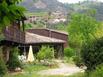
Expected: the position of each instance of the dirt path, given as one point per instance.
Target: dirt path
(64, 69)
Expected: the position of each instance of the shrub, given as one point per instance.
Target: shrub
(78, 61)
(92, 54)
(45, 53)
(3, 69)
(14, 62)
(69, 52)
(98, 72)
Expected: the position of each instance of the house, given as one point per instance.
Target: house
(15, 35)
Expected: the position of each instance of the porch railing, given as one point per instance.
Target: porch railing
(14, 34)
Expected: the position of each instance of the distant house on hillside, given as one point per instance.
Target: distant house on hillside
(33, 18)
(51, 18)
(58, 14)
(55, 21)
(15, 36)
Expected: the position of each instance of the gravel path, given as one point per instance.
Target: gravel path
(63, 69)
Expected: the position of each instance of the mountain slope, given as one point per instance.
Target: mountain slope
(54, 5)
(90, 5)
(43, 5)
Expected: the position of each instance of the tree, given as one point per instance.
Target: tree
(82, 30)
(10, 12)
(92, 54)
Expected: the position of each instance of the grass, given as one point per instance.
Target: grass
(34, 67)
(78, 75)
(36, 75)
(32, 75)
(30, 70)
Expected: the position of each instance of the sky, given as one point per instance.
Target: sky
(73, 1)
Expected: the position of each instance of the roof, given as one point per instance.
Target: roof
(34, 38)
(57, 31)
(62, 32)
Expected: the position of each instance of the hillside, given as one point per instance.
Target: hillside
(54, 5)
(43, 5)
(90, 5)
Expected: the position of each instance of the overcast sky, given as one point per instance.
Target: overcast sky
(73, 1)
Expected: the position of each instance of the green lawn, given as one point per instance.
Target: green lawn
(36, 75)
(78, 75)
(30, 70)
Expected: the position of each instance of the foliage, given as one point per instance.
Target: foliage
(45, 53)
(95, 5)
(13, 59)
(69, 52)
(28, 26)
(92, 54)
(3, 69)
(58, 26)
(78, 75)
(99, 33)
(83, 28)
(10, 12)
(98, 72)
(78, 61)
(40, 24)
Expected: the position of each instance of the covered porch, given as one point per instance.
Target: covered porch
(58, 49)
(37, 41)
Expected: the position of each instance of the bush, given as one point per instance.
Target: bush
(14, 62)
(3, 69)
(45, 53)
(78, 61)
(98, 72)
(92, 54)
(69, 52)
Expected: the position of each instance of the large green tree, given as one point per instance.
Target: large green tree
(10, 11)
(82, 29)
